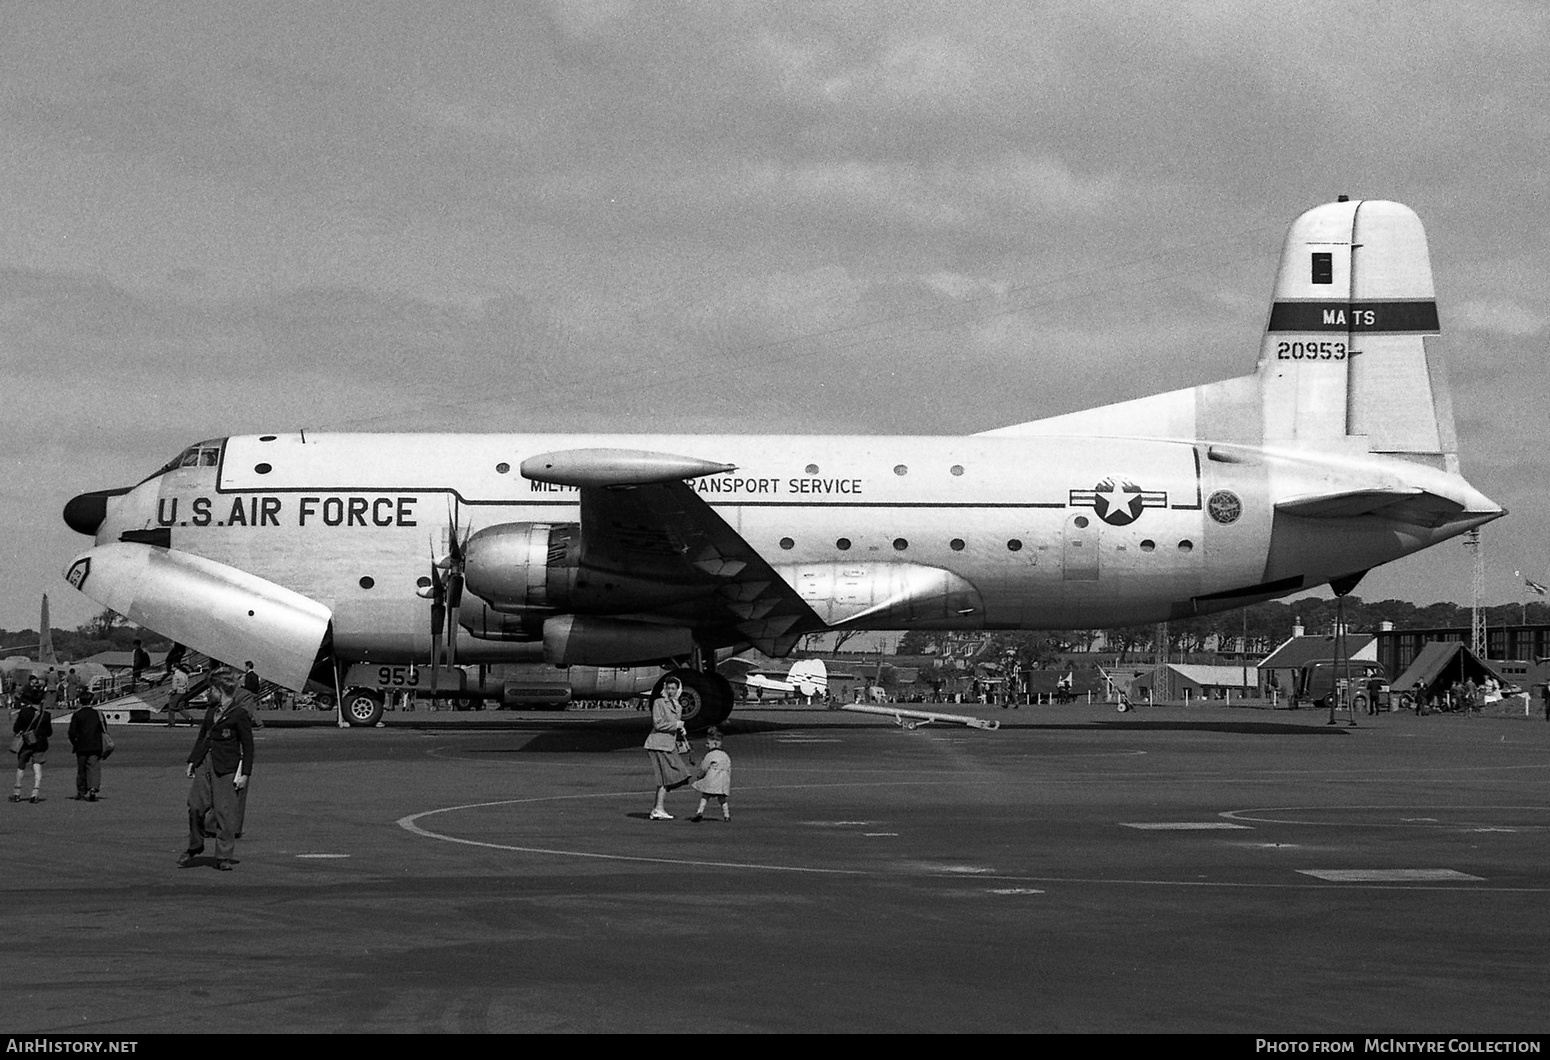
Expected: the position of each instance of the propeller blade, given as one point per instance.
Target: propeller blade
(436, 592)
(454, 601)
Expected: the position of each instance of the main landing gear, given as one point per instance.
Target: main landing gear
(706, 699)
(362, 706)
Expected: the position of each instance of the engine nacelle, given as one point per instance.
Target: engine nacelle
(521, 566)
(583, 640)
(533, 570)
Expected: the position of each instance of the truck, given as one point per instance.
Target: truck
(1316, 683)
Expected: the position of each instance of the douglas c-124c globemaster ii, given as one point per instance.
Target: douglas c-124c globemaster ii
(323, 557)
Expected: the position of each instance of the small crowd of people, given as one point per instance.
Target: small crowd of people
(218, 767)
(1464, 696)
(59, 688)
(33, 727)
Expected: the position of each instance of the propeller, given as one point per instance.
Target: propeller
(434, 589)
(444, 589)
(452, 563)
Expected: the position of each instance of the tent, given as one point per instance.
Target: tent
(1440, 664)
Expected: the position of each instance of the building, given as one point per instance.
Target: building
(1520, 644)
(1197, 681)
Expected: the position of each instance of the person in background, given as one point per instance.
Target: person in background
(85, 732)
(34, 726)
(139, 662)
(254, 686)
(177, 699)
(174, 658)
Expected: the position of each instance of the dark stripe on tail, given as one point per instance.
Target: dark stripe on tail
(1354, 316)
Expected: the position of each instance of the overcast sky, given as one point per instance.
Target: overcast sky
(763, 217)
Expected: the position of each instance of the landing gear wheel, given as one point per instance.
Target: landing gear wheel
(706, 698)
(362, 706)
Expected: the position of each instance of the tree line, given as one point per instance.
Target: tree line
(1265, 626)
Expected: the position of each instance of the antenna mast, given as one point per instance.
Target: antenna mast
(1476, 616)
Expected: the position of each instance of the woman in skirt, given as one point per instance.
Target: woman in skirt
(667, 729)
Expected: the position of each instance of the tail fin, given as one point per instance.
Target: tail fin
(1352, 345)
(809, 677)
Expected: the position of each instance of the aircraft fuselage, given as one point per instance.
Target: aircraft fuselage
(1047, 532)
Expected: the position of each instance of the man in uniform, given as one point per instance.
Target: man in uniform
(219, 766)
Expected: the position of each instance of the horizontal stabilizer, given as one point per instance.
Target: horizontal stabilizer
(1414, 506)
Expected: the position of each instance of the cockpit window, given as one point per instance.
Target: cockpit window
(202, 454)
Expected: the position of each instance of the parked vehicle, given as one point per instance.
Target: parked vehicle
(1316, 683)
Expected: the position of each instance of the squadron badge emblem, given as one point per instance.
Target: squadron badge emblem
(1224, 506)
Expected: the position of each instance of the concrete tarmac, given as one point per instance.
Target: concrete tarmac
(1205, 869)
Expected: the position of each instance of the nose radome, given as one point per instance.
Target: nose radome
(85, 513)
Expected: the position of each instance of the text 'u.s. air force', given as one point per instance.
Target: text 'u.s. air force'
(260, 510)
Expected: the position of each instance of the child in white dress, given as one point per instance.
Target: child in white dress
(715, 776)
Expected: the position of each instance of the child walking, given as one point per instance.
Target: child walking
(715, 776)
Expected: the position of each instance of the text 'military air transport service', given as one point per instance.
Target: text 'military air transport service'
(364, 561)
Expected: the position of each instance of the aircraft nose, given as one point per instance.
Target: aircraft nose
(85, 513)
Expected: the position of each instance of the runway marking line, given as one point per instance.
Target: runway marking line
(1183, 826)
(1461, 819)
(410, 824)
(1448, 882)
(1388, 875)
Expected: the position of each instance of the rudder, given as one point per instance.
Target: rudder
(1351, 348)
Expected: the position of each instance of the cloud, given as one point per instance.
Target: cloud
(1498, 316)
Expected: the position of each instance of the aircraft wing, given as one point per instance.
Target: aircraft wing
(639, 517)
(1415, 506)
